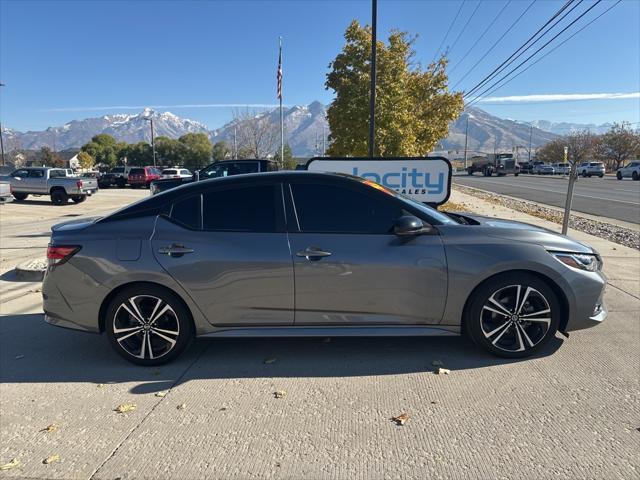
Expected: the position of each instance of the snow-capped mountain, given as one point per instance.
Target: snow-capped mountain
(123, 127)
(564, 128)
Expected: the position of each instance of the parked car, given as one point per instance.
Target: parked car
(544, 169)
(97, 175)
(5, 192)
(526, 167)
(175, 172)
(50, 181)
(313, 254)
(632, 170)
(536, 166)
(561, 168)
(117, 176)
(224, 168)
(143, 176)
(587, 169)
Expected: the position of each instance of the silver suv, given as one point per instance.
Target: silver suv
(587, 169)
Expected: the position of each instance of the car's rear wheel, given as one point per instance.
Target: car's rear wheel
(59, 197)
(619, 176)
(635, 176)
(513, 315)
(584, 173)
(20, 196)
(148, 325)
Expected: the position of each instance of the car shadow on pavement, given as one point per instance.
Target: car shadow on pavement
(32, 351)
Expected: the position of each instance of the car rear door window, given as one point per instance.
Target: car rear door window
(242, 209)
(335, 209)
(187, 212)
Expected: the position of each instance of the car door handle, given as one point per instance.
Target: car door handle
(313, 253)
(175, 250)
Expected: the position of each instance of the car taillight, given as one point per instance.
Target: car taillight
(61, 253)
(79, 184)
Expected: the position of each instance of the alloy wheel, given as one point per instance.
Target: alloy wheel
(146, 327)
(515, 318)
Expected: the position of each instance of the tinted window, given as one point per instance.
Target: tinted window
(244, 209)
(169, 172)
(57, 173)
(117, 170)
(136, 171)
(20, 173)
(328, 208)
(36, 174)
(187, 212)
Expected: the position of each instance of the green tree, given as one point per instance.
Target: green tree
(169, 151)
(139, 154)
(85, 160)
(413, 106)
(49, 158)
(221, 151)
(289, 163)
(196, 150)
(104, 149)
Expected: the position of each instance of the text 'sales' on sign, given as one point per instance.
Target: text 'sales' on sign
(425, 179)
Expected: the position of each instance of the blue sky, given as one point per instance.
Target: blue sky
(64, 60)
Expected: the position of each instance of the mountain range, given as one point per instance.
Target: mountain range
(305, 128)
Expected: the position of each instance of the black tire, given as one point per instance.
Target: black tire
(516, 174)
(635, 175)
(78, 198)
(469, 172)
(20, 196)
(619, 176)
(502, 334)
(600, 176)
(177, 319)
(59, 197)
(120, 182)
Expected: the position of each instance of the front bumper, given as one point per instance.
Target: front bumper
(587, 307)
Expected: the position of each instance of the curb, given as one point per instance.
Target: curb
(31, 271)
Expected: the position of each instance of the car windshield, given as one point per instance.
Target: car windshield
(440, 217)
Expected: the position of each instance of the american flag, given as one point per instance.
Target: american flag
(279, 75)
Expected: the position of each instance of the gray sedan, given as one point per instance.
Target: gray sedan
(313, 254)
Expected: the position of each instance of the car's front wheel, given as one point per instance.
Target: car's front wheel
(148, 325)
(619, 176)
(635, 176)
(20, 196)
(513, 315)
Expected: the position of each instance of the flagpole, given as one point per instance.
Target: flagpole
(281, 114)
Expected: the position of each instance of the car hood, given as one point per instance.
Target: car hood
(525, 232)
(76, 224)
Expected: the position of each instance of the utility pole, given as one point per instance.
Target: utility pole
(235, 142)
(372, 105)
(530, 135)
(466, 137)
(324, 139)
(1, 142)
(153, 142)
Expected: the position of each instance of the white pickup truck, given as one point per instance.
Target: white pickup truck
(53, 182)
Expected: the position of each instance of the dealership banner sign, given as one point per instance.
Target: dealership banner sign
(425, 179)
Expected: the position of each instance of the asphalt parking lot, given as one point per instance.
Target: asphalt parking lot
(606, 197)
(572, 412)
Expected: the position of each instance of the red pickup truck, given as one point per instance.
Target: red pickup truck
(143, 176)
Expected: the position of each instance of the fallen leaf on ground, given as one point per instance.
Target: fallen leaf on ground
(182, 406)
(437, 363)
(443, 371)
(125, 407)
(161, 394)
(51, 459)
(222, 409)
(51, 428)
(279, 394)
(433, 402)
(12, 464)
(401, 419)
(269, 360)
(101, 385)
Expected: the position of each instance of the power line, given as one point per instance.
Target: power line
(475, 100)
(525, 46)
(495, 43)
(475, 42)
(552, 50)
(448, 31)
(465, 27)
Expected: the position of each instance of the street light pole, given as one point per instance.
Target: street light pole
(466, 137)
(153, 142)
(372, 105)
(1, 141)
(530, 135)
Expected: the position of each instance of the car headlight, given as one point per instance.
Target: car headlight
(581, 261)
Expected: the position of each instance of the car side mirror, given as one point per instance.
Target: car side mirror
(409, 225)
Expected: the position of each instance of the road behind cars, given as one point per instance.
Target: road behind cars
(605, 197)
(570, 413)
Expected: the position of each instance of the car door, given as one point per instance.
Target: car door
(37, 181)
(351, 269)
(19, 180)
(228, 249)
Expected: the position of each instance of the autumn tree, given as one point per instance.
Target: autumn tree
(552, 152)
(49, 158)
(256, 134)
(580, 146)
(413, 105)
(618, 145)
(85, 160)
